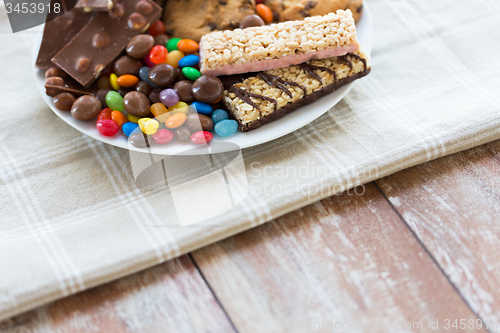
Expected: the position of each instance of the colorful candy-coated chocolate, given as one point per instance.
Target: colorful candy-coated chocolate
(175, 120)
(115, 101)
(180, 107)
(157, 28)
(191, 73)
(202, 108)
(219, 115)
(188, 45)
(104, 114)
(172, 44)
(119, 118)
(189, 61)
(226, 127)
(160, 112)
(264, 12)
(148, 125)
(148, 62)
(158, 54)
(113, 80)
(163, 136)
(174, 57)
(129, 128)
(169, 97)
(127, 80)
(144, 75)
(107, 127)
(201, 137)
(133, 119)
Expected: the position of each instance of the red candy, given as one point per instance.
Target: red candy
(148, 62)
(157, 28)
(107, 127)
(158, 54)
(104, 114)
(163, 136)
(201, 137)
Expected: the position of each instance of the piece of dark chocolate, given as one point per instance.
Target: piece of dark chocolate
(57, 33)
(83, 61)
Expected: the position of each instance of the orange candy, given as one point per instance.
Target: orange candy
(160, 112)
(175, 120)
(264, 12)
(188, 45)
(119, 118)
(127, 80)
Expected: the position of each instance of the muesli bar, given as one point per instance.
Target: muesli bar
(278, 45)
(270, 95)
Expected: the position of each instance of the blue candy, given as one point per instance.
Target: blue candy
(189, 61)
(226, 127)
(144, 75)
(202, 108)
(129, 128)
(219, 115)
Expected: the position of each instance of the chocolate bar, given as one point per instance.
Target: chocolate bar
(103, 39)
(266, 96)
(95, 5)
(278, 45)
(57, 33)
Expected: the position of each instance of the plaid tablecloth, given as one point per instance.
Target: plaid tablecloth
(74, 216)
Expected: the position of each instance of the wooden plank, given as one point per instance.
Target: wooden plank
(453, 206)
(171, 297)
(344, 260)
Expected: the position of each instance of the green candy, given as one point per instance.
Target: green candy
(114, 101)
(172, 44)
(191, 73)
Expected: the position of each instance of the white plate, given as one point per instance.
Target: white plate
(266, 133)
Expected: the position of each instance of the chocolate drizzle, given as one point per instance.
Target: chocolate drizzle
(278, 82)
(245, 96)
(310, 69)
(346, 61)
(363, 60)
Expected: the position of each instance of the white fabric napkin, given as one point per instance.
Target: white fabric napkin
(73, 215)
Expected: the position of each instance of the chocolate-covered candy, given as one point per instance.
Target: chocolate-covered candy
(56, 82)
(197, 122)
(140, 45)
(64, 101)
(103, 83)
(207, 89)
(180, 76)
(85, 108)
(251, 21)
(183, 89)
(162, 75)
(53, 71)
(183, 134)
(127, 65)
(154, 95)
(123, 91)
(138, 140)
(161, 39)
(101, 95)
(143, 87)
(137, 104)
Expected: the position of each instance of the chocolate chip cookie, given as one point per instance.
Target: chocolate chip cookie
(195, 18)
(287, 10)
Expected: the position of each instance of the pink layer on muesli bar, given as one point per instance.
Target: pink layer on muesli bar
(266, 64)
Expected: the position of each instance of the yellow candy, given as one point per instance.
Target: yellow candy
(113, 80)
(148, 125)
(180, 107)
(160, 112)
(132, 119)
(174, 57)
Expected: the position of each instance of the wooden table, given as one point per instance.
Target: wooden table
(421, 246)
